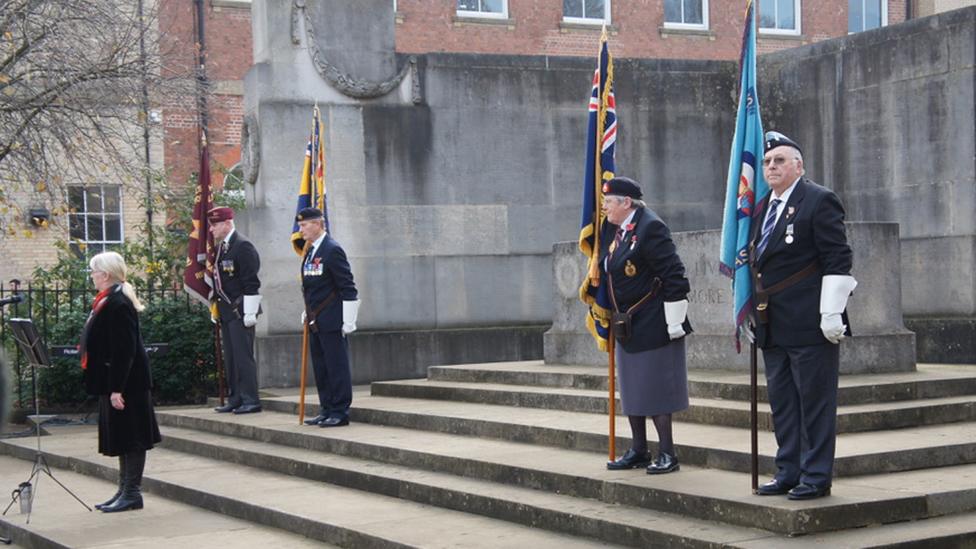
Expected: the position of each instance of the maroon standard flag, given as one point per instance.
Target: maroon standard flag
(198, 276)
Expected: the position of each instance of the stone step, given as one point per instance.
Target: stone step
(317, 510)
(711, 411)
(617, 524)
(719, 447)
(929, 381)
(59, 521)
(707, 494)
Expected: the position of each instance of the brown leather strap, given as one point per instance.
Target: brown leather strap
(762, 294)
(655, 287)
(310, 317)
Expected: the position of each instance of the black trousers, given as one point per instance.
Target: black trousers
(333, 379)
(240, 369)
(802, 385)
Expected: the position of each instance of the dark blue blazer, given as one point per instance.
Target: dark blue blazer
(817, 219)
(238, 268)
(646, 253)
(336, 276)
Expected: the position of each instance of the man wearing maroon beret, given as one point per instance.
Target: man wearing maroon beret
(238, 304)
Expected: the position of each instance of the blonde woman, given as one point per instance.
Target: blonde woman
(116, 368)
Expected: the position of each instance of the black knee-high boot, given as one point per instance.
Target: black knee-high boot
(118, 492)
(131, 498)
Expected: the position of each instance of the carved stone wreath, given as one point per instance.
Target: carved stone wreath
(346, 84)
(250, 149)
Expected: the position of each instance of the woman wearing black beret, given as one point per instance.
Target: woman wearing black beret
(649, 293)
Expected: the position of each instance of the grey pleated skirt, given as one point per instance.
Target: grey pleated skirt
(653, 382)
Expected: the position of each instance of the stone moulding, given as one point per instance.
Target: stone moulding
(346, 84)
(250, 149)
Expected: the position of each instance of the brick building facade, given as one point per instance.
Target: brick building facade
(114, 209)
(688, 29)
(709, 29)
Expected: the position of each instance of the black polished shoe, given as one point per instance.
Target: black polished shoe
(316, 420)
(774, 487)
(631, 460)
(248, 409)
(226, 408)
(808, 491)
(334, 422)
(664, 463)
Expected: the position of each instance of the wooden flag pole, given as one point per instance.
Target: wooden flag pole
(612, 400)
(754, 414)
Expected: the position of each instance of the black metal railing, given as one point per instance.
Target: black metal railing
(46, 306)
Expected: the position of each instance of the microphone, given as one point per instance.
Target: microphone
(16, 298)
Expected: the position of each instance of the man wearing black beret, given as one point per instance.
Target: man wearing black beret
(801, 265)
(331, 310)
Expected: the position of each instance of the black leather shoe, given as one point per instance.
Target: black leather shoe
(248, 409)
(774, 487)
(808, 491)
(316, 420)
(226, 408)
(334, 422)
(631, 460)
(664, 463)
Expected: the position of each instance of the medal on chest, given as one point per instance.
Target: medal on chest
(227, 266)
(789, 234)
(313, 267)
(630, 269)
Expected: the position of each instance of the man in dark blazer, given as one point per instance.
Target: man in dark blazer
(331, 309)
(801, 265)
(238, 304)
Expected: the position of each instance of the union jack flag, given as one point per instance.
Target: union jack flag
(601, 143)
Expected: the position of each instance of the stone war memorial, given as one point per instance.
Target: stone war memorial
(479, 416)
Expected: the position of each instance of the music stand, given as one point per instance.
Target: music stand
(29, 342)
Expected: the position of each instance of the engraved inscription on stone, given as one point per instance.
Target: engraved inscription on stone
(569, 274)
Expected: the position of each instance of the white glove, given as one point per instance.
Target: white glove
(674, 314)
(834, 292)
(832, 326)
(252, 303)
(746, 331)
(350, 311)
(303, 317)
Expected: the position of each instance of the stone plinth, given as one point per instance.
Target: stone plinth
(880, 343)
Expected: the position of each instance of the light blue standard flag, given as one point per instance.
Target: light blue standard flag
(601, 142)
(745, 187)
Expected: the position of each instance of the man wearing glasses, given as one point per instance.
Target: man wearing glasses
(801, 266)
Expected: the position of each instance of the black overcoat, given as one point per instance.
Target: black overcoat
(118, 363)
(646, 253)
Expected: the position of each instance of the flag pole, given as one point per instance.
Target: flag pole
(753, 367)
(301, 393)
(612, 401)
(219, 357)
(754, 412)
(302, 376)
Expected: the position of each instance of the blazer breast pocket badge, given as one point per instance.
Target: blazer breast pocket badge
(630, 269)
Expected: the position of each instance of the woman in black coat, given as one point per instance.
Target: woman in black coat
(647, 279)
(116, 369)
